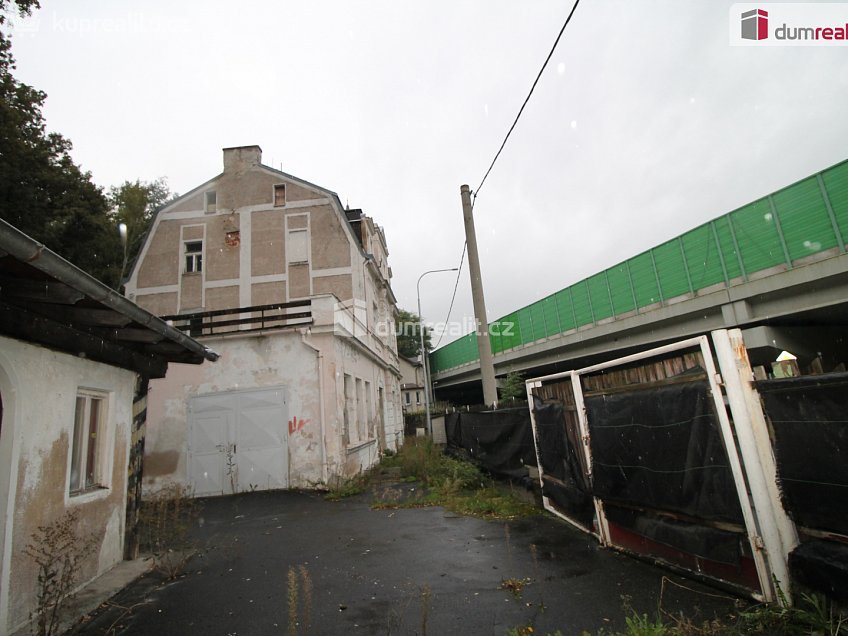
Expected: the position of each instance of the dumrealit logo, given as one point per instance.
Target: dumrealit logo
(755, 24)
(785, 32)
(789, 24)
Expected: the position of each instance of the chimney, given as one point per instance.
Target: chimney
(242, 158)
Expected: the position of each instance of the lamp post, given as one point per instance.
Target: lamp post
(423, 350)
(122, 231)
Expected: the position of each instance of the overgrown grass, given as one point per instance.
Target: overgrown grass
(339, 488)
(812, 614)
(453, 483)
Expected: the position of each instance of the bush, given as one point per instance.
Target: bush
(58, 551)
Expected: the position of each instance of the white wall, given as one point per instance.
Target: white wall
(246, 362)
(38, 389)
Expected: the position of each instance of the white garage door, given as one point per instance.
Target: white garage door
(238, 442)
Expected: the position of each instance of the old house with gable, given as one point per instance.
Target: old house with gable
(293, 291)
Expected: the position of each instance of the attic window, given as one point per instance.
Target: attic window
(211, 201)
(279, 195)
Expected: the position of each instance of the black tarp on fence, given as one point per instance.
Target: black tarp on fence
(809, 425)
(808, 418)
(661, 448)
(501, 441)
(565, 482)
(822, 566)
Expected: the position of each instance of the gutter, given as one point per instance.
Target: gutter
(30, 251)
(324, 465)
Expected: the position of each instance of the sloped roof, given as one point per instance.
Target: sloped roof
(47, 300)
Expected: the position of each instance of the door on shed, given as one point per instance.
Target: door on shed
(238, 442)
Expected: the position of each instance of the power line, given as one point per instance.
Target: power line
(532, 88)
(498, 154)
(455, 287)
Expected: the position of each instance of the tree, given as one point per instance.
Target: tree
(409, 336)
(513, 388)
(134, 203)
(42, 191)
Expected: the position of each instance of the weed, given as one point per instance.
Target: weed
(813, 614)
(232, 467)
(343, 487)
(515, 586)
(164, 528)
(641, 625)
(58, 551)
(419, 458)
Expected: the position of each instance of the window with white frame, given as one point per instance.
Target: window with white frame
(87, 445)
(349, 413)
(360, 411)
(369, 411)
(193, 256)
(298, 246)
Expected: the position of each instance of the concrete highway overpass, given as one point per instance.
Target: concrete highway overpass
(802, 310)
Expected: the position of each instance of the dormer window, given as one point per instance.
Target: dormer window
(211, 201)
(279, 195)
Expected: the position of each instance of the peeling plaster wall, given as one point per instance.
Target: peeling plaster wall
(246, 362)
(35, 435)
(359, 453)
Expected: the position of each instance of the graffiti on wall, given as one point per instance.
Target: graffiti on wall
(296, 424)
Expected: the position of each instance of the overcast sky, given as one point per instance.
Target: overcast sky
(646, 122)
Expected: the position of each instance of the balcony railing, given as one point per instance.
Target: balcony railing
(244, 319)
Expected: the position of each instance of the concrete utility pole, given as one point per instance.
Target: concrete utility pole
(484, 347)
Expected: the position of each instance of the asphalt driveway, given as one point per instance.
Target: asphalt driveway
(408, 571)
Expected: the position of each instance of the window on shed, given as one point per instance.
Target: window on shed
(87, 452)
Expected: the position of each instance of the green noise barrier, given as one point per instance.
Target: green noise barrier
(780, 230)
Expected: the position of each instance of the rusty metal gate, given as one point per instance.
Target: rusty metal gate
(642, 453)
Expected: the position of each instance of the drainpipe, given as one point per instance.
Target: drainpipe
(324, 468)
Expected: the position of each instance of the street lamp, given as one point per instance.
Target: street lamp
(423, 350)
(122, 231)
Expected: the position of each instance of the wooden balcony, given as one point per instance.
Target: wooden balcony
(244, 319)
